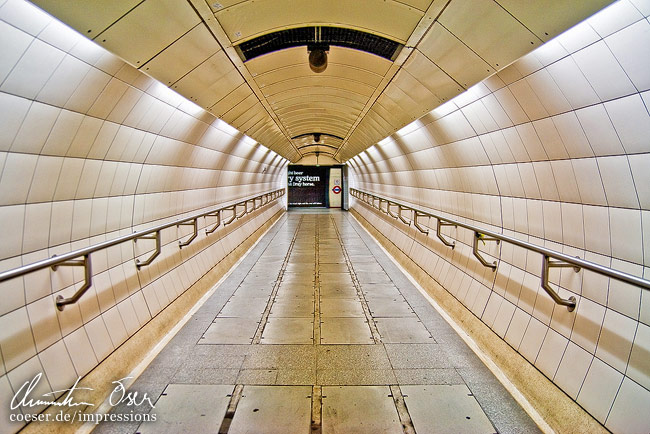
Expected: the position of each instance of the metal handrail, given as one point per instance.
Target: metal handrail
(481, 234)
(68, 259)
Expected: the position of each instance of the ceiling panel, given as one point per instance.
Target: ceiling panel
(454, 57)
(489, 30)
(125, 37)
(434, 78)
(284, 98)
(549, 18)
(232, 99)
(387, 18)
(75, 13)
(333, 70)
(315, 81)
(183, 55)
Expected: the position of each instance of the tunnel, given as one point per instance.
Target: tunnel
(292, 216)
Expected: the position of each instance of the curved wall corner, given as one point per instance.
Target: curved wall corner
(91, 149)
(555, 150)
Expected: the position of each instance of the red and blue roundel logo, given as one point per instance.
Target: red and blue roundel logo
(336, 189)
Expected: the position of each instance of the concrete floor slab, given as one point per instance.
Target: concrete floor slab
(390, 308)
(359, 409)
(273, 409)
(189, 408)
(230, 331)
(445, 409)
(345, 331)
(293, 308)
(402, 330)
(341, 307)
(288, 331)
(247, 307)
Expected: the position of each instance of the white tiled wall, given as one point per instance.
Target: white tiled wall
(555, 150)
(91, 149)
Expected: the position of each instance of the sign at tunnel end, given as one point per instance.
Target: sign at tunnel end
(336, 189)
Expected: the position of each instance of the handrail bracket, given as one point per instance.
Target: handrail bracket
(61, 301)
(439, 226)
(153, 256)
(400, 208)
(547, 264)
(479, 236)
(217, 214)
(194, 223)
(417, 214)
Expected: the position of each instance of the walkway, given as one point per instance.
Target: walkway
(316, 330)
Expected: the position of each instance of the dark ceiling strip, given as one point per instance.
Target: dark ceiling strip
(322, 35)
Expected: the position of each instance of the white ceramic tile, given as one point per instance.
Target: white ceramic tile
(13, 290)
(631, 121)
(604, 73)
(599, 130)
(80, 351)
(638, 367)
(573, 83)
(44, 322)
(641, 175)
(532, 341)
(615, 17)
(578, 36)
(551, 353)
(599, 389)
(587, 325)
(99, 338)
(13, 185)
(616, 339)
(625, 226)
(630, 410)
(32, 70)
(628, 46)
(16, 338)
(589, 182)
(517, 327)
(58, 366)
(573, 369)
(617, 180)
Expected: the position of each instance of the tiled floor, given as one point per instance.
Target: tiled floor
(318, 331)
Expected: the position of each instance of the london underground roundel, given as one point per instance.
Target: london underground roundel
(336, 189)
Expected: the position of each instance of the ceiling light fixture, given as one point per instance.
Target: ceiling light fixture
(318, 52)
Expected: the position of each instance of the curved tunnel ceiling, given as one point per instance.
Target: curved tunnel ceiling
(191, 46)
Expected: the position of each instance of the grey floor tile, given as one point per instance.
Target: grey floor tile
(428, 376)
(257, 376)
(293, 308)
(390, 308)
(290, 377)
(288, 331)
(341, 307)
(417, 356)
(265, 409)
(189, 408)
(355, 377)
(345, 331)
(353, 356)
(359, 409)
(206, 376)
(230, 331)
(445, 409)
(402, 330)
(296, 357)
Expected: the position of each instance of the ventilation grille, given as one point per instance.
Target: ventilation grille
(328, 36)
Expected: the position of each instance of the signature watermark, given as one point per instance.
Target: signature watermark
(24, 399)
